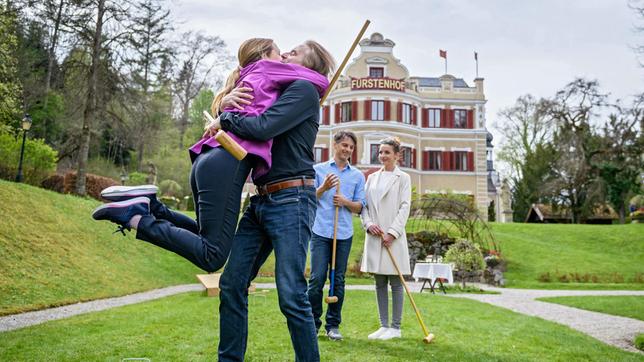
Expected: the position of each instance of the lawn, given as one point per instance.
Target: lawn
(53, 253)
(612, 253)
(630, 306)
(185, 327)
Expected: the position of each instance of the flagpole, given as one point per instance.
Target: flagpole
(445, 64)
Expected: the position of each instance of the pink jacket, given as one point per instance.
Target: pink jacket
(267, 79)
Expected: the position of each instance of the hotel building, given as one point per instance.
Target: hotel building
(440, 122)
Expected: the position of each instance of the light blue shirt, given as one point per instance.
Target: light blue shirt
(351, 186)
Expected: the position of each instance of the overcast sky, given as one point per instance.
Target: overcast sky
(524, 47)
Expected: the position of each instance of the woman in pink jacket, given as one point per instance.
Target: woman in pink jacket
(217, 178)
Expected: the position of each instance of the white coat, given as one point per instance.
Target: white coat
(390, 211)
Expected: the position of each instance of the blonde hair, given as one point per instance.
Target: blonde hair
(250, 51)
(393, 142)
(318, 59)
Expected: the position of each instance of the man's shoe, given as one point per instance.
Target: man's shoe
(390, 333)
(122, 193)
(334, 334)
(377, 333)
(122, 212)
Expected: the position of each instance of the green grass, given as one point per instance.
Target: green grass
(606, 251)
(626, 306)
(53, 253)
(185, 327)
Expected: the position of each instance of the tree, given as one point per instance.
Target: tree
(103, 12)
(573, 182)
(620, 161)
(10, 87)
(200, 56)
(148, 40)
(527, 130)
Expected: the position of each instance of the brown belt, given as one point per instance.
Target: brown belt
(274, 187)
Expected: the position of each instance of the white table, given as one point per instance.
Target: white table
(433, 272)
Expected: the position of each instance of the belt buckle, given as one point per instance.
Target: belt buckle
(262, 190)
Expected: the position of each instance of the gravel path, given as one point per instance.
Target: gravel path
(613, 330)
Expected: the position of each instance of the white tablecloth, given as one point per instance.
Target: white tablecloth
(432, 271)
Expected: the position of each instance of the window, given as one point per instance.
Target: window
(376, 72)
(406, 157)
(377, 110)
(460, 161)
(435, 160)
(434, 118)
(374, 148)
(319, 154)
(406, 113)
(460, 118)
(345, 115)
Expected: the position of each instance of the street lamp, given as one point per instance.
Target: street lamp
(26, 125)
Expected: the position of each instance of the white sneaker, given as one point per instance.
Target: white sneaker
(390, 333)
(377, 333)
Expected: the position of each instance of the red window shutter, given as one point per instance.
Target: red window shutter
(354, 111)
(413, 115)
(470, 161)
(444, 118)
(338, 107)
(425, 160)
(325, 154)
(326, 115)
(425, 121)
(452, 161)
(413, 158)
(387, 110)
(399, 112)
(470, 119)
(354, 155)
(446, 165)
(367, 110)
(450, 118)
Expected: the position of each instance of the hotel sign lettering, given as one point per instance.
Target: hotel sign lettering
(378, 83)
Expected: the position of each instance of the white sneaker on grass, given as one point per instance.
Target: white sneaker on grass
(377, 333)
(390, 333)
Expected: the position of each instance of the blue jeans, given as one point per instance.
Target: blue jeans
(281, 221)
(321, 254)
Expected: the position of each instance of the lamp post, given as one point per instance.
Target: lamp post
(26, 125)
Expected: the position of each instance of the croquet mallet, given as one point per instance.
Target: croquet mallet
(238, 151)
(428, 336)
(332, 298)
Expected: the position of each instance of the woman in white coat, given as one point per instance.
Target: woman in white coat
(388, 193)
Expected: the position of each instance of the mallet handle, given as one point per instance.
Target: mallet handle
(227, 142)
(411, 299)
(345, 60)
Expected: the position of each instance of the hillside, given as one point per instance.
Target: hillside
(52, 253)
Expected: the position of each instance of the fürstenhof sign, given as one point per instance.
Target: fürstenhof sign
(378, 83)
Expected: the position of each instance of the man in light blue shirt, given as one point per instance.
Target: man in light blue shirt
(350, 199)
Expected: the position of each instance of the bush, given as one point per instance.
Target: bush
(94, 184)
(54, 183)
(39, 160)
(467, 259)
(170, 188)
(639, 342)
(136, 178)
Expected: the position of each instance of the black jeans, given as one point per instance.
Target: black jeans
(216, 179)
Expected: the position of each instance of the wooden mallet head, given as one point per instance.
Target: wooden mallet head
(331, 300)
(428, 339)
